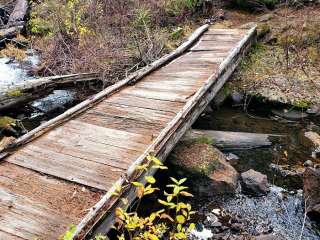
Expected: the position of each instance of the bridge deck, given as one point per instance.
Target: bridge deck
(54, 180)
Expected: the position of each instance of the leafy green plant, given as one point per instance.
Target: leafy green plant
(171, 221)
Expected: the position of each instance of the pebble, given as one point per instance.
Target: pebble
(308, 163)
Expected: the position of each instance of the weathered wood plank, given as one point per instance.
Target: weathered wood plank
(133, 101)
(27, 219)
(123, 124)
(66, 167)
(63, 197)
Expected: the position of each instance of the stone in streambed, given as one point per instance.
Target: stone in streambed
(311, 191)
(312, 140)
(210, 172)
(254, 183)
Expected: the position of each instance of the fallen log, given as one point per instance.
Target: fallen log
(232, 140)
(18, 14)
(16, 21)
(26, 91)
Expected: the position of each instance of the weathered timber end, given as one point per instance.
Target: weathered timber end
(63, 172)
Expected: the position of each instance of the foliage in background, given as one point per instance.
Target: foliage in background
(112, 37)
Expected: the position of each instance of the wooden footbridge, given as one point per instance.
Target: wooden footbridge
(63, 172)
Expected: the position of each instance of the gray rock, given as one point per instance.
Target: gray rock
(308, 163)
(232, 158)
(314, 110)
(312, 140)
(237, 97)
(311, 189)
(290, 177)
(268, 237)
(254, 183)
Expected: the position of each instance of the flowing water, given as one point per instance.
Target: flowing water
(281, 212)
(13, 72)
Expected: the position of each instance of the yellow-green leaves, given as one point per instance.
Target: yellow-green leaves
(173, 219)
(181, 219)
(150, 179)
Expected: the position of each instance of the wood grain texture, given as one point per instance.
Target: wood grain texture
(103, 145)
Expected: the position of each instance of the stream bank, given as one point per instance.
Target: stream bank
(278, 214)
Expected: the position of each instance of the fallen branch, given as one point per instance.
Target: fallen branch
(232, 140)
(16, 20)
(29, 90)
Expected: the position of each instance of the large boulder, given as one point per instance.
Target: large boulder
(211, 173)
(254, 183)
(311, 189)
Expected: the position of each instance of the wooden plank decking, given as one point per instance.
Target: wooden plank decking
(65, 176)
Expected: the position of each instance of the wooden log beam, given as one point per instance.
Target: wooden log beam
(26, 91)
(232, 140)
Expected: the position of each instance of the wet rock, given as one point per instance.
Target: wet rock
(311, 189)
(237, 97)
(232, 158)
(314, 110)
(268, 237)
(254, 183)
(308, 163)
(212, 174)
(312, 139)
(288, 177)
(290, 114)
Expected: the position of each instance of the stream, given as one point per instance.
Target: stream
(40, 110)
(281, 212)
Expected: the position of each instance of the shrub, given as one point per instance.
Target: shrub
(170, 221)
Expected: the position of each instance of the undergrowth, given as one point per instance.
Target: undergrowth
(111, 37)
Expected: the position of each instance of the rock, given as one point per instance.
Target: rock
(254, 183)
(312, 139)
(216, 224)
(212, 174)
(308, 163)
(311, 189)
(237, 97)
(232, 158)
(314, 110)
(268, 237)
(288, 177)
